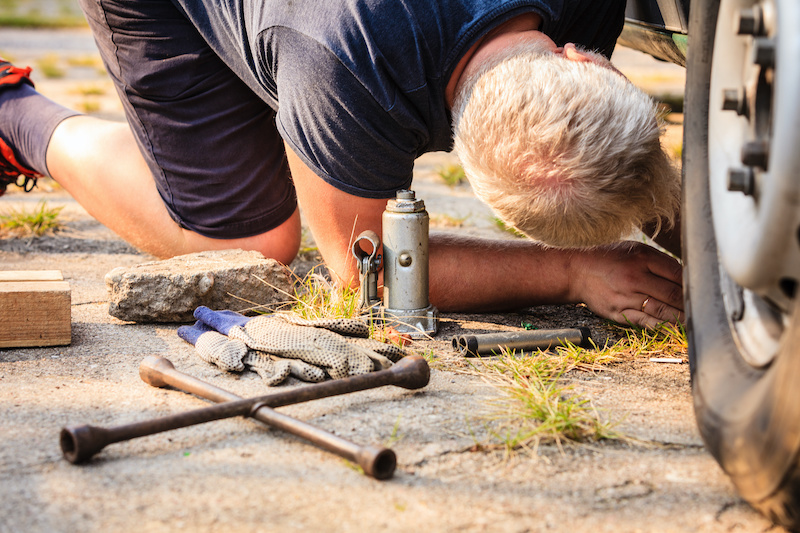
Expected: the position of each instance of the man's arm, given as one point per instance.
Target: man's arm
(613, 281)
(476, 275)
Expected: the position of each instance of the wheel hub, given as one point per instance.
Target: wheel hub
(755, 193)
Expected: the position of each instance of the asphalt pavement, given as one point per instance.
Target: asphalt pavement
(237, 475)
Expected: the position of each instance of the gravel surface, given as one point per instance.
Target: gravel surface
(237, 475)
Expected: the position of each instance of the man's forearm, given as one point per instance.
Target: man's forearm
(470, 274)
(628, 282)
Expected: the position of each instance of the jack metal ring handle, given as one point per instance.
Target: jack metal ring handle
(369, 263)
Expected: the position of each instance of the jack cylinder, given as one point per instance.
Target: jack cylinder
(405, 264)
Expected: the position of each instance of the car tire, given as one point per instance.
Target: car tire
(748, 413)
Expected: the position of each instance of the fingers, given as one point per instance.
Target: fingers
(224, 352)
(273, 372)
(663, 311)
(305, 371)
(665, 266)
(664, 282)
(393, 352)
(652, 314)
(632, 283)
(663, 291)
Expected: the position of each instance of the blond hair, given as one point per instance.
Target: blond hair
(566, 152)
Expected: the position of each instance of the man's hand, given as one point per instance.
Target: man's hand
(630, 283)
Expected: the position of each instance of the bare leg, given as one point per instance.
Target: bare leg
(99, 164)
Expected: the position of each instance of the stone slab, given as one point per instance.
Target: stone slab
(170, 290)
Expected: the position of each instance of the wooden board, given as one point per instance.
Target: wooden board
(35, 309)
(31, 275)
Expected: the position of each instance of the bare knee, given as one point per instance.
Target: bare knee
(284, 245)
(281, 243)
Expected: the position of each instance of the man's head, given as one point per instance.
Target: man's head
(562, 146)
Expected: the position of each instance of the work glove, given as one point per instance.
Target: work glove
(311, 348)
(233, 355)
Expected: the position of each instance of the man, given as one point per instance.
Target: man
(224, 99)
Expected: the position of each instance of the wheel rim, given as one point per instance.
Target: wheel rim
(754, 189)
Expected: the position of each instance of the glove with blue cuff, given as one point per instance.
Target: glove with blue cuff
(269, 344)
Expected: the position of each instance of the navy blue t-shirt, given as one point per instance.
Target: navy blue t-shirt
(359, 85)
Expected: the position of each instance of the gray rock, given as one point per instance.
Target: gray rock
(170, 290)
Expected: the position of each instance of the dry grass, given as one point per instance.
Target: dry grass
(34, 223)
(315, 298)
(447, 221)
(452, 175)
(535, 404)
(39, 14)
(669, 340)
(87, 61)
(90, 90)
(50, 66)
(508, 229)
(88, 106)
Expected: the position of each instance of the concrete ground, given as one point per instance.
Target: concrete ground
(236, 475)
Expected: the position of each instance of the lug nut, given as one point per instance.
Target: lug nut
(734, 100)
(763, 52)
(741, 180)
(756, 154)
(749, 21)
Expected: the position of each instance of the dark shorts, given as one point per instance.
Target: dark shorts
(210, 142)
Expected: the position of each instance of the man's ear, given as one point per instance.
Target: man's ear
(573, 53)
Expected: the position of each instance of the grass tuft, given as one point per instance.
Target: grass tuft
(452, 175)
(508, 229)
(535, 406)
(315, 297)
(36, 223)
(90, 90)
(666, 339)
(88, 106)
(89, 61)
(37, 20)
(447, 221)
(50, 66)
(396, 436)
